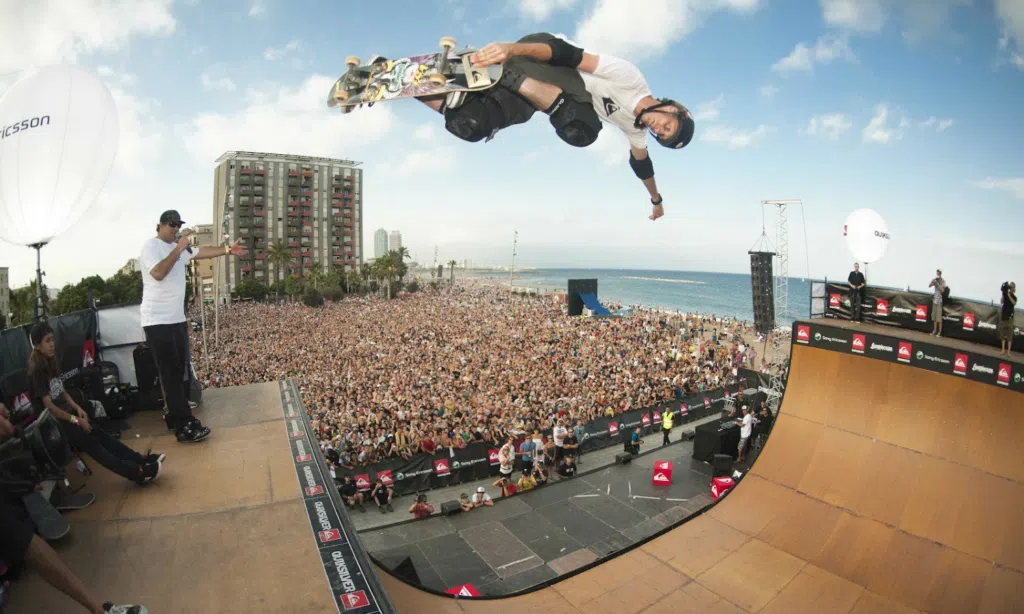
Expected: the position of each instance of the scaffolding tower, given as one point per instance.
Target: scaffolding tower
(777, 372)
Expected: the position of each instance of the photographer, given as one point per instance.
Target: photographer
(47, 392)
(20, 545)
(1009, 303)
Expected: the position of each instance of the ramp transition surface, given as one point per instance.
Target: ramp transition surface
(882, 488)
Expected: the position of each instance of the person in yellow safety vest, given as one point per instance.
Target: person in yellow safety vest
(666, 426)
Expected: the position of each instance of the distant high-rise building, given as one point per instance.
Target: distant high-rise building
(130, 267)
(204, 237)
(5, 296)
(380, 243)
(314, 206)
(395, 241)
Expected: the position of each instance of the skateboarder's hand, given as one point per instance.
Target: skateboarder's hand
(83, 421)
(494, 53)
(656, 212)
(237, 249)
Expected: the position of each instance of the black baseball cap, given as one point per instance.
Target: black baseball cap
(171, 217)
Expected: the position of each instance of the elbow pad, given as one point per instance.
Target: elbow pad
(644, 169)
(564, 54)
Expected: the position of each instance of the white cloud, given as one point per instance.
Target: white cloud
(878, 130)
(1013, 185)
(540, 10)
(734, 138)
(830, 125)
(277, 53)
(857, 15)
(709, 111)
(425, 161)
(1018, 61)
(803, 58)
(52, 31)
(620, 28)
(216, 84)
(425, 132)
(258, 9)
(940, 125)
(287, 120)
(768, 91)
(1011, 15)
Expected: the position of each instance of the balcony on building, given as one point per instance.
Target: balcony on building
(246, 170)
(307, 214)
(245, 178)
(246, 269)
(260, 171)
(293, 173)
(293, 244)
(261, 256)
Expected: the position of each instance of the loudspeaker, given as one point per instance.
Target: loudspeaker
(440, 272)
(450, 507)
(623, 458)
(575, 289)
(721, 465)
(146, 373)
(687, 435)
(761, 280)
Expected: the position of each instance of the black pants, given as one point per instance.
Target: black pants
(106, 450)
(16, 531)
(664, 436)
(856, 304)
(169, 343)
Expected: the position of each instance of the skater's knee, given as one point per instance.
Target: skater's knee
(575, 122)
(475, 120)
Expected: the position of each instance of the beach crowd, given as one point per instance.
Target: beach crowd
(428, 371)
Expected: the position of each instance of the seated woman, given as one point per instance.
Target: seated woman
(47, 392)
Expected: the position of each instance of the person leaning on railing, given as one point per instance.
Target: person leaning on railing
(1008, 303)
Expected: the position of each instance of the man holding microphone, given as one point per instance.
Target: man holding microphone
(163, 261)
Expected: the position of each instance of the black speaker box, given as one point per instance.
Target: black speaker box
(721, 465)
(146, 373)
(450, 507)
(623, 458)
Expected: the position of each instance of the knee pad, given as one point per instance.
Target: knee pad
(575, 122)
(474, 120)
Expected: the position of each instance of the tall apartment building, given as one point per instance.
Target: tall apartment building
(312, 205)
(203, 269)
(130, 267)
(380, 243)
(395, 241)
(5, 295)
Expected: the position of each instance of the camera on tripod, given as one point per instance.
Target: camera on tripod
(36, 453)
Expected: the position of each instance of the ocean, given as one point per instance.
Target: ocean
(721, 294)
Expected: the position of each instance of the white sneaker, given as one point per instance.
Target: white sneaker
(110, 608)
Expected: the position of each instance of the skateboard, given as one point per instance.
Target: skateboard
(50, 525)
(412, 77)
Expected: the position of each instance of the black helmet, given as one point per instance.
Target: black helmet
(683, 133)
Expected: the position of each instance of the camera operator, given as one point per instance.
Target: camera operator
(47, 392)
(20, 545)
(1009, 303)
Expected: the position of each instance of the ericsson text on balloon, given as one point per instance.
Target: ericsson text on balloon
(25, 124)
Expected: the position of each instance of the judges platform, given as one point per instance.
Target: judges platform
(891, 482)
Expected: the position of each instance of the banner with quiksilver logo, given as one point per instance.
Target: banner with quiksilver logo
(961, 319)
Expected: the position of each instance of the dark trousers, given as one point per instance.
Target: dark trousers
(169, 343)
(664, 436)
(856, 303)
(106, 450)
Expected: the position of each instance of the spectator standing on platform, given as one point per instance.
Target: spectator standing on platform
(507, 457)
(570, 445)
(1009, 303)
(526, 450)
(579, 431)
(421, 509)
(163, 262)
(746, 428)
(635, 441)
(940, 288)
(558, 434)
(856, 282)
(666, 425)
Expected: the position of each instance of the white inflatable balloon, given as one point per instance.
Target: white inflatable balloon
(58, 140)
(867, 235)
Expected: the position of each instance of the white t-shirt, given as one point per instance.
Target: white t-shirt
(559, 433)
(481, 498)
(746, 428)
(617, 86)
(163, 302)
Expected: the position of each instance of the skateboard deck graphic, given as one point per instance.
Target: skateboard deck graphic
(416, 76)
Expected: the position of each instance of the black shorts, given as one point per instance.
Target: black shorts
(16, 531)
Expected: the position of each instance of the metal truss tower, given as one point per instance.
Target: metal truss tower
(776, 379)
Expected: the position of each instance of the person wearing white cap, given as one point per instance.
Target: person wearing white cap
(481, 498)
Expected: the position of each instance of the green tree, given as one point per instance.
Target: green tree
(280, 256)
(412, 286)
(250, 289)
(312, 298)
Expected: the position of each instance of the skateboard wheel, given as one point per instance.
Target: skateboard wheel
(341, 95)
(351, 61)
(437, 80)
(448, 42)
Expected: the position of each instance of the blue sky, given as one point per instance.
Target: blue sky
(912, 108)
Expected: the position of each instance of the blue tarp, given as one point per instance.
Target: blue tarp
(591, 302)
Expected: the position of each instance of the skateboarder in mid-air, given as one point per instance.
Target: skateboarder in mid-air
(617, 92)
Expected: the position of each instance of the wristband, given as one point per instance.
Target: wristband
(227, 250)
(74, 419)
(657, 202)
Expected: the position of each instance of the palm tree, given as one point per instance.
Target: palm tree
(452, 263)
(397, 260)
(279, 255)
(315, 274)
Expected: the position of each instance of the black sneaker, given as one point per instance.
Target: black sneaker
(192, 432)
(154, 458)
(110, 608)
(148, 472)
(390, 509)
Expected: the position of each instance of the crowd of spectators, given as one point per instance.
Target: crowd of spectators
(428, 371)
